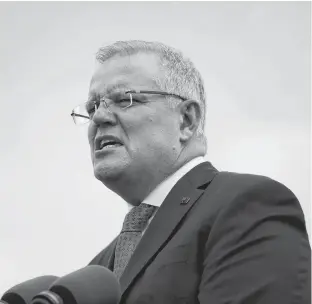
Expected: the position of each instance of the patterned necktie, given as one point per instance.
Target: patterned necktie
(131, 233)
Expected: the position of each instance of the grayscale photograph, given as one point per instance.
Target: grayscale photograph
(155, 152)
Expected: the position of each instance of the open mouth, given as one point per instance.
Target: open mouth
(106, 142)
(108, 145)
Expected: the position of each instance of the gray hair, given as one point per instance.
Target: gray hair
(181, 76)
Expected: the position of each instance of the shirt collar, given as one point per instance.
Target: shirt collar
(158, 195)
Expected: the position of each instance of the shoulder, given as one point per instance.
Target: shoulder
(242, 183)
(250, 194)
(234, 182)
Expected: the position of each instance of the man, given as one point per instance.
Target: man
(193, 235)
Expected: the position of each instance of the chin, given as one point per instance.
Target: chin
(108, 172)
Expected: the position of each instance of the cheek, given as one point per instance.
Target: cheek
(162, 128)
(156, 133)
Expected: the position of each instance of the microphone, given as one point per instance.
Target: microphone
(24, 292)
(92, 284)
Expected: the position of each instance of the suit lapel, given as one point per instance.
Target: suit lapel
(106, 256)
(111, 259)
(176, 205)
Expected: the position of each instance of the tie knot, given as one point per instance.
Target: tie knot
(137, 218)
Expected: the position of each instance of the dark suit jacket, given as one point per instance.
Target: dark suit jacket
(220, 238)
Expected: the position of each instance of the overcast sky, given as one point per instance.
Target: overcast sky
(255, 61)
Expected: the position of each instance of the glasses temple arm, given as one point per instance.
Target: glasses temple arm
(83, 116)
(156, 92)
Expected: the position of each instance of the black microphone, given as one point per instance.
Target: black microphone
(24, 292)
(92, 284)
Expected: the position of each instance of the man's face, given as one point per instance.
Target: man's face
(147, 132)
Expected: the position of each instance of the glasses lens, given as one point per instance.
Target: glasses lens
(121, 102)
(80, 115)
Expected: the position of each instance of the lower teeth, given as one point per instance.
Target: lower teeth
(108, 146)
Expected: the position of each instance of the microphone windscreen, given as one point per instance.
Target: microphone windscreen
(24, 292)
(92, 284)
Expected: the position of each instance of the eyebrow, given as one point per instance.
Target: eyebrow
(111, 89)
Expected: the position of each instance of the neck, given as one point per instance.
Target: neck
(134, 191)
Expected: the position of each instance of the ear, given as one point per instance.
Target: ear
(190, 116)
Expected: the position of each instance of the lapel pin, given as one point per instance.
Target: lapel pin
(185, 200)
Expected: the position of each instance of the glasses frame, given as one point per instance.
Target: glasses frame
(73, 114)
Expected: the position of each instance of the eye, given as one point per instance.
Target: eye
(123, 100)
(126, 101)
(91, 106)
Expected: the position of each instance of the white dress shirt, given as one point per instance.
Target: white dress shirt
(158, 195)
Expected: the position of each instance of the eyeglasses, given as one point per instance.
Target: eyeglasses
(83, 113)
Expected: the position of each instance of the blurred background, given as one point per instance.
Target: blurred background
(255, 61)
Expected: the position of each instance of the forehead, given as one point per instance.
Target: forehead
(137, 71)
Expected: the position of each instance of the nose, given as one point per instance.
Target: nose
(103, 115)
